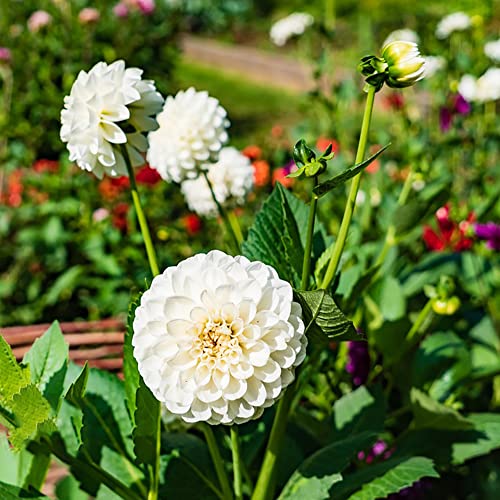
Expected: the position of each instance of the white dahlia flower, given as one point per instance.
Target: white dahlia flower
(458, 21)
(483, 89)
(294, 24)
(192, 131)
(492, 50)
(217, 338)
(109, 106)
(231, 178)
(433, 64)
(405, 34)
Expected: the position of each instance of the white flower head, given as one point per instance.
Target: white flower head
(292, 25)
(405, 34)
(458, 21)
(492, 50)
(405, 64)
(231, 178)
(483, 89)
(217, 338)
(192, 131)
(109, 106)
(433, 64)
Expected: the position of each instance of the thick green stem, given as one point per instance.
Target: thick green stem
(351, 200)
(235, 447)
(235, 226)
(217, 461)
(264, 489)
(306, 265)
(415, 329)
(148, 243)
(225, 219)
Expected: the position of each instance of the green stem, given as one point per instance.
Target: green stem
(306, 265)
(264, 489)
(351, 200)
(424, 313)
(217, 461)
(235, 226)
(235, 447)
(224, 216)
(150, 251)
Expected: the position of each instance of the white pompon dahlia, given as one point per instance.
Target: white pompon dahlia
(404, 34)
(192, 131)
(458, 21)
(433, 64)
(492, 50)
(292, 25)
(231, 178)
(483, 89)
(217, 338)
(109, 106)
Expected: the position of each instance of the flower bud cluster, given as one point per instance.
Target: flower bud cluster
(309, 165)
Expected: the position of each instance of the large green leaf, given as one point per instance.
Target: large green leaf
(316, 475)
(48, 360)
(390, 298)
(323, 318)
(14, 377)
(360, 410)
(431, 414)
(383, 479)
(15, 465)
(10, 492)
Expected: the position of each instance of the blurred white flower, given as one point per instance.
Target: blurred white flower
(483, 89)
(375, 197)
(294, 24)
(418, 184)
(405, 34)
(109, 106)
(405, 64)
(100, 214)
(192, 131)
(360, 197)
(433, 64)
(217, 338)
(38, 20)
(457, 21)
(492, 50)
(231, 178)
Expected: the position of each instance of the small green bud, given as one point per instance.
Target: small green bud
(405, 65)
(309, 164)
(446, 307)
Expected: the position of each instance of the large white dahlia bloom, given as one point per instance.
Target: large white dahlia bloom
(292, 25)
(458, 21)
(192, 131)
(483, 89)
(217, 338)
(231, 178)
(108, 106)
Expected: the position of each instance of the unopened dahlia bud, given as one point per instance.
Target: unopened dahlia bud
(405, 65)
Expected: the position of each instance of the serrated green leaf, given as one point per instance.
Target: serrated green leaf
(14, 377)
(316, 475)
(76, 391)
(430, 414)
(338, 180)
(48, 359)
(323, 318)
(10, 492)
(385, 478)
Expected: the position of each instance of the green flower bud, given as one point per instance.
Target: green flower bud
(405, 65)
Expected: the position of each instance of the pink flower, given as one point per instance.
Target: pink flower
(38, 20)
(120, 10)
(5, 55)
(100, 214)
(89, 15)
(147, 7)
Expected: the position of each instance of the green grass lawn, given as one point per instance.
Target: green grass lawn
(253, 108)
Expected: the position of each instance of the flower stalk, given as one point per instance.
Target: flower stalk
(306, 265)
(351, 200)
(235, 447)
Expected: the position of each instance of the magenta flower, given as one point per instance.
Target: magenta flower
(147, 7)
(120, 10)
(489, 232)
(358, 364)
(5, 55)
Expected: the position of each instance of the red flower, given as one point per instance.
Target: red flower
(277, 131)
(323, 142)
(111, 187)
(148, 175)
(192, 223)
(14, 190)
(450, 234)
(261, 172)
(252, 152)
(119, 214)
(41, 166)
(395, 100)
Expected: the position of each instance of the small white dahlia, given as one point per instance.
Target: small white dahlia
(433, 64)
(404, 34)
(492, 50)
(231, 178)
(192, 131)
(483, 89)
(458, 21)
(108, 106)
(217, 338)
(292, 25)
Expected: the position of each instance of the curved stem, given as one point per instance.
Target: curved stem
(150, 251)
(227, 224)
(235, 447)
(351, 200)
(306, 265)
(235, 226)
(217, 461)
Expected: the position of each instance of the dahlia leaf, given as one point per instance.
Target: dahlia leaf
(385, 478)
(343, 177)
(316, 475)
(14, 377)
(76, 390)
(48, 361)
(323, 318)
(146, 421)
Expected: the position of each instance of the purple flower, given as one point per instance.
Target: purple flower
(289, 167)
(461, 106)
(417, 491)
(147, 7)
(120, 10)
(445, 118)
(5, 55)
(358, 364)
(489, 232)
